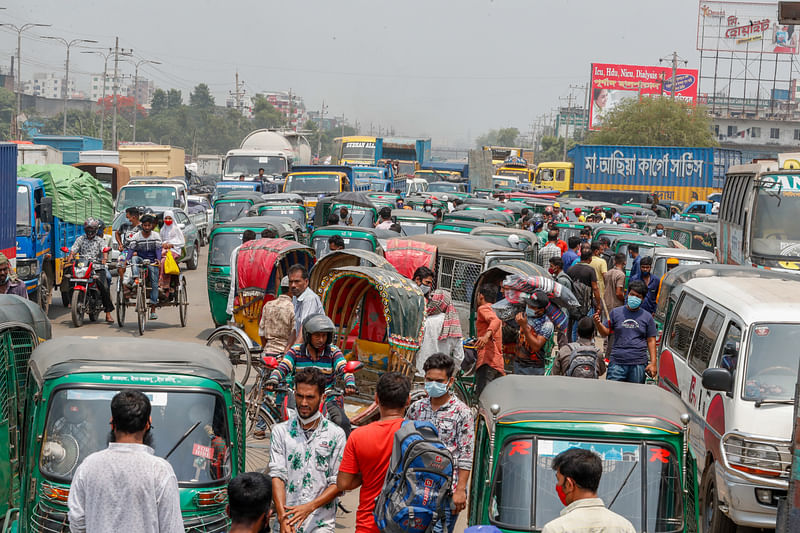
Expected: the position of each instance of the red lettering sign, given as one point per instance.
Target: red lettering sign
(522, 447)
(659, 454)
(203, 451)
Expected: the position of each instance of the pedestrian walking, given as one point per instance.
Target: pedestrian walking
(586, 290)
(367, 452)
(551, 249)
(633, 252)
(557, 271)
(645, 275)
(454, 423)
(578, 475)
(442, 331)
(634, 338)
(304, 460)
(306, 302)
(571, 256)
(489, 344)
(249, 499)
(535, 330)
(125, 487)
(599, 265)
(277, 321)
(614, 294)
(582, 358)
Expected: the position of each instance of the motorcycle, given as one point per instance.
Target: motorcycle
(85, 295)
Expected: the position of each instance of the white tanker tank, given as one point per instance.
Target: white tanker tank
(260, 149)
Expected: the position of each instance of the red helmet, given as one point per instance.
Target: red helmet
(428, 201)
(577, 210)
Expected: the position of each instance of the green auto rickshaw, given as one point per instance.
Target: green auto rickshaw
(483, 215)
(417, 202)
(23, 325)
(413, 222)
(222, 241)
(360, 209)
(521, 239)
(621, 243)
(234, 205)
(353, 236)
(640, 433)
(693, 235)
(296, 212)
(457, 227)
(197, 421)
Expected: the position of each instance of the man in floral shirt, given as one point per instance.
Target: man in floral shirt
(454, 422)
(304, 460)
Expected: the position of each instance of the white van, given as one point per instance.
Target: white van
(730, 350)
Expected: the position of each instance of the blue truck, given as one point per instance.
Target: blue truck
(70, 145)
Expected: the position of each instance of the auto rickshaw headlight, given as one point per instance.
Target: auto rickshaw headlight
(55, 494)
(211, 498)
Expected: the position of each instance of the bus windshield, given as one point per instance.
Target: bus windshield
(249, 165)
(359, 150)
(775, 229)
(316, 183)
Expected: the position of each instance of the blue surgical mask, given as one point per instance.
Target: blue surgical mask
(659, 232)
(634, 302)
(435, 389)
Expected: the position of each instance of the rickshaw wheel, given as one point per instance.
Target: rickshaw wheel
(121, 304)
(257, 450)
(236, 349)
(183, 303)
(141, 308)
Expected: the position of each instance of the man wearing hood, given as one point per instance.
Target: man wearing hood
(172, 242)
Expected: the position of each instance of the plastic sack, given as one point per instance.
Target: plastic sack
(516, 285)
(170, 266)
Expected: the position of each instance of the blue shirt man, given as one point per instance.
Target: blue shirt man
(649, 302)
(571, 256)
(633, 252)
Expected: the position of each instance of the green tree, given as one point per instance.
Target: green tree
(174, 99)
(160, 102)
(265, 115)
(201, 97)
(655, 122)
(552, 149)
(7, 109)
(507, 136)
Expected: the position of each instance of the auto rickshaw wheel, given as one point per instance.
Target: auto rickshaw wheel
(77, 308)
(183, 302)
(121, 303)
(713, 520)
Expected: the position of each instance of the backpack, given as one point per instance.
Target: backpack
(418, 482)
(582, 361)
(584, 295)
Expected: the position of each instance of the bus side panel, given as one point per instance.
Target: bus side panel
(684, 194)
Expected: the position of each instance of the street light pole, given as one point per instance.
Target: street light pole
(103, 98)
(65, 88)
(136, 88)
(19, 30)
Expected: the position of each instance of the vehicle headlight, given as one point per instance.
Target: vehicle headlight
(753, 457)
(24, 271)
(220, 286)
(80, 270)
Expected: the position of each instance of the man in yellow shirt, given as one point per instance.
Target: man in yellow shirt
(599, 265)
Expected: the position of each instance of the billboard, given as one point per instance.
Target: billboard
(744, 27)
(611, 84)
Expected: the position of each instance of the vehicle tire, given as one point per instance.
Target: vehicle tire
(236, 348)
(141, 309)
(183, 303)
(65, 298)
(92, 309)
(194, 260)
(121, 307)
(256, 457)
(43, 293)
(712, 520)
(77, 308)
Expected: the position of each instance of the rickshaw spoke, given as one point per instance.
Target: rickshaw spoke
(257, 449)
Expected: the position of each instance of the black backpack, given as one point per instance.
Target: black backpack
(584, 295)
(582, 361)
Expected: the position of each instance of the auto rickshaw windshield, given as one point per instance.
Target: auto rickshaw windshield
(223, 245)
(227, 211)
(194, 423)
(524, 495)
(321, 249)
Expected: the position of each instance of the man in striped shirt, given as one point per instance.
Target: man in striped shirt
(317, 351)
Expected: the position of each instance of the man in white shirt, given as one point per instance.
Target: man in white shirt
(248, 235)
(125, 487)
(306, 302)
(578, 474)
(385, 218)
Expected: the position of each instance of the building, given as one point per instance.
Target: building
(96, 86)
(290, 105)
(47, 85)
(142, 90)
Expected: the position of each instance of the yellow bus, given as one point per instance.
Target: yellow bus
(355, 150)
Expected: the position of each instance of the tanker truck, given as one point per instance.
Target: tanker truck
(273, 151)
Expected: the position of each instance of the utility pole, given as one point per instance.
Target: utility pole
(289, 117)
(19, 30)
(137, 64)
(117, 52)
(585, 114)
(237, 94)
(65, 86)
(105, 79)
(319, 131)
(674, 59)
(566, 126)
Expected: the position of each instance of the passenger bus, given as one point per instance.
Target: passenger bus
(759, 214)
(355, 150)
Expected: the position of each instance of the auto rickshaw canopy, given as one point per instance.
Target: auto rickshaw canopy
(345, 258)
(17, 310)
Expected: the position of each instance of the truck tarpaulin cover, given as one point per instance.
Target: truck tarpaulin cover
(407, 255)
(256, 260)
(76, 194)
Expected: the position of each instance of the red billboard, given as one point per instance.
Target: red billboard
(611, 84)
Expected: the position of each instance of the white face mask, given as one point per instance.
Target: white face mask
(310, 419)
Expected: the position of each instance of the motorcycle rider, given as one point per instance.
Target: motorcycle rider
(90, 247)
(147, 245)
(318, 351)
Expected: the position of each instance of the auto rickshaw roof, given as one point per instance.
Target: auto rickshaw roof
(468, 246)
(534, 400)
(353, 198)
(240, 195)
(409, 214)
(353, 231)
(259, 222)
(70, 355)
(499, 230)
(688, 225)
(349, 257)
(15, 310)
(685, 253)
(281, 197)
(647, 240)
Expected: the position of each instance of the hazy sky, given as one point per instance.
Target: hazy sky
(449, 69)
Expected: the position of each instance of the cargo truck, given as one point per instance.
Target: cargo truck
(260, 149)
(209, 166)
(407, 154)
(153, 160)
(52, 202)
(678, 173)
(38, 154)
(69, 145)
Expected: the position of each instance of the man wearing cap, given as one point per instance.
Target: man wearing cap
(277, 321)
(9, 282)
(535, 329)
(672, 262)
(579, 214)
(558, 214)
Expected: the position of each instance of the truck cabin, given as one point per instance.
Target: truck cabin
(143, 194)
(238, 164)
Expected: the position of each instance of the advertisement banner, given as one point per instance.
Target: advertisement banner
(744, 27)
(611, 84)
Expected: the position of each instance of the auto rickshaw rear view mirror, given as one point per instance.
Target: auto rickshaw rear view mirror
(353, 366)
(270, 361)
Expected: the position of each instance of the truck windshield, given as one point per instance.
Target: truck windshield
(77, 425)
(522, 175)
(640, 481)
(312, 183)
(23, 208)
(221, 248)
(772, 362)
(775, 229)
(249, 165)
(147, 196)
(443, 186)
(364, 151)
(406, 168)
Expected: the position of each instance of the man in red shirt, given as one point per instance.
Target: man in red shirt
(369, 448)
(490, 364)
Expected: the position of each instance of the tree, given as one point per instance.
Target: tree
(174, 99)
(655, 122)
(159, 102)
(201, 97)
(507, 136)
(264, 114)
(553, 148)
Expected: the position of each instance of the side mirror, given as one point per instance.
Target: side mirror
(106, 250)
(46, 210)
(270, 361)
(717, 379)
(353, 366)
(65, 249)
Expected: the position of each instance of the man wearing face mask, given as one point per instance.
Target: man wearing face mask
(659, 231)
(578, 475)
(634, 338)
(454, 422)
(423, 277)
(9, 283)
(535, 329)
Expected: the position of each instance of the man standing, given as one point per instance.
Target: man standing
(306, 302)
(570, 257)
(583, 347)
(489, 344)
(9, 283)
(261, 176)
(557, 271)
(369, 448)
(614, 294)
(125, 487)
(247, 236)
(646, 276)
(535, 329)
(583, 273)
(551, 249)
(634, 338)
(578, 475)
(304, 460)
(249, 498)
(599, 265)
(633, 251)
(386, 218)
(277, 321)
(454, 423)
(423, 277)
